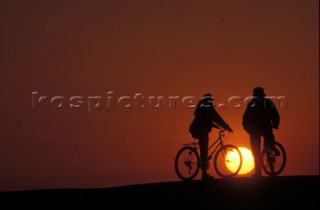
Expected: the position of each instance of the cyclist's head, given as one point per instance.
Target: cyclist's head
(205, 103)
(258, 92)
(206, 100)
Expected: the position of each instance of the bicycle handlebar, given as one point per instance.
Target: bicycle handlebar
(220, 128)
(216, 126)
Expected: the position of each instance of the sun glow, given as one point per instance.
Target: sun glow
(247, 161)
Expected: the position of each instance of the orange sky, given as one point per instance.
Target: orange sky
(157, 48)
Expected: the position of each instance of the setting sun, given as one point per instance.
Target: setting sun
(247, 161)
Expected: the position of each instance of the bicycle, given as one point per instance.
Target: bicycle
(273, 164)
(187, 161)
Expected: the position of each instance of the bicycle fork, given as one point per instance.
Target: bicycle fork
(189, 161)
(270, 161)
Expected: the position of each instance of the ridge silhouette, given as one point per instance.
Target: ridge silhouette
(237, 193)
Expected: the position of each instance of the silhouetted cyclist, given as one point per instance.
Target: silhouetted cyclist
(205, 116)
(260, 117)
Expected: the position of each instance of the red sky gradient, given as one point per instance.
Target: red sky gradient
(157, 48)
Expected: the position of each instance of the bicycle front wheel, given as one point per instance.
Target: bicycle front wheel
(187, 163)
(228, 161)
(271, 164)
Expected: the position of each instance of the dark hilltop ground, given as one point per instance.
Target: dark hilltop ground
(283, 192)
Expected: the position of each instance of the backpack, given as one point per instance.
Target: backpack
(193, 129)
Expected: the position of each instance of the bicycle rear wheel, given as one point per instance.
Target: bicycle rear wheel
(271, 164)
(187, 163)
(228, 161)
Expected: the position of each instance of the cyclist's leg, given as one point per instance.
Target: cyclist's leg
(255, 140)
(203, 143)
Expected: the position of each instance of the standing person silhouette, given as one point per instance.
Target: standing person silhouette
(260, 117)
(205, 116)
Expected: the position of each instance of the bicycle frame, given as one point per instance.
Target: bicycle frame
(218, 142)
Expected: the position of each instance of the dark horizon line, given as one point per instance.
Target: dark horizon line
(152, 183)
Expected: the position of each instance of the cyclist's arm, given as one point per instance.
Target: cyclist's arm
(275, 117)
(218, 119)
